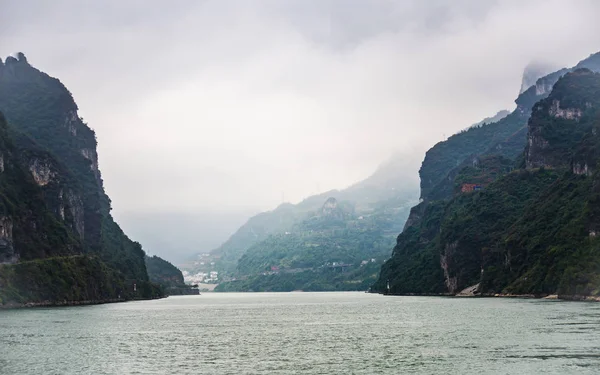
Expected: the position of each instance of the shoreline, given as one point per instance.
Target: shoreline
(567, 298)
(571, 298)
(29, 305)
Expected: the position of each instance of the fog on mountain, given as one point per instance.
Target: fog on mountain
(225, 161)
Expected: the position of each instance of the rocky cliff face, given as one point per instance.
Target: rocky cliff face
(495, 138)
(532, 230)
(7, 250)
(559, 123)
(33, 223)
(329, 206)
(49, 158)
(533, 72)
(43, 108)
(506, 137)
(332, 210)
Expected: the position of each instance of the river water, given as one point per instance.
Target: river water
(304, 333)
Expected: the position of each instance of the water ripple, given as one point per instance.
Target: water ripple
(308, 333)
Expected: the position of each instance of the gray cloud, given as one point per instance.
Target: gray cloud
(224, 105)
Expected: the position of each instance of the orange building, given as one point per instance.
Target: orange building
(468, 188)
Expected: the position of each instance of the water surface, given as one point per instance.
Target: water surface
(308, 333)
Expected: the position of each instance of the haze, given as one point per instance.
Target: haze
(208, 111)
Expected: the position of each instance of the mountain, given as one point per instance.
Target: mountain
(490, 120)
(534, 71)
(168, 276)
(334, 249)
(256, 229)
(529, 228)
(331, 241)
(506, 137)
(390, 189)
(176, 235)
(59, 240)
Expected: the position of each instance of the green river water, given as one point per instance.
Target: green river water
(304, 333)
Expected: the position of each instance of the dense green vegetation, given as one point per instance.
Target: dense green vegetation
(312, 250)
(163, 272)
(529, 231)
(40, 107)
(387, 191)
(443, 158)
(35, 231)
(381, 202)
(506, 137)
(562, 125)
(480, 170)
(315, 280)
(60, 280)
(169, 277)
(480, 155)
(551, 248)
(334, 249)
(55, 222)
(415, 266)
(257, 229)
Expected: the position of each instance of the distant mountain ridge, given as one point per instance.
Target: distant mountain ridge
(335, 248)
(388, 186)
(490, 120)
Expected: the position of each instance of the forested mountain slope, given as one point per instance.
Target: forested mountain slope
(334, 249)
(527, 229)
(53, 187)
(388, 193)
(505, 137)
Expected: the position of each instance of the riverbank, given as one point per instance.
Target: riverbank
(577, 298)
(546, 296)
(13, 305)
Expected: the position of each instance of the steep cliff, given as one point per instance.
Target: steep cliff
(559, 123)
(51, 164)
(533, 72)
(529, 231)
(506, 137)
(30, 228)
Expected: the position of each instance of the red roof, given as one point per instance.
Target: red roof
(467, 188)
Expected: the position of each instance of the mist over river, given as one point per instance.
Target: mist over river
(304, 333)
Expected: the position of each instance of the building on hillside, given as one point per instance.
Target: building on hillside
(468, 188)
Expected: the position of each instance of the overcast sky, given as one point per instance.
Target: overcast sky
(225, 105)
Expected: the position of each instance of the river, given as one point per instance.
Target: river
(304, 333)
